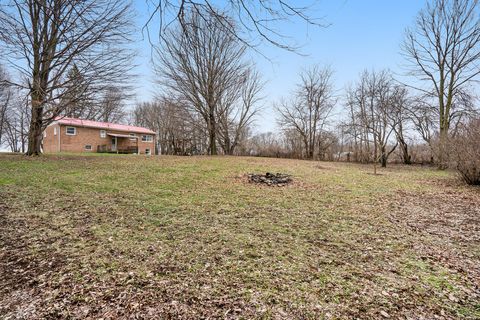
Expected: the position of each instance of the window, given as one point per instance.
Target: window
(71, 131)
(133, 135)
(147, 151)
(103, 134)
(88, 147)
(54, 131)
(147, 138)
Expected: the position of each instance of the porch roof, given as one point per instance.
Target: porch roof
(121, 135)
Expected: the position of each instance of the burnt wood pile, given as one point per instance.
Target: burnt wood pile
(270, 179)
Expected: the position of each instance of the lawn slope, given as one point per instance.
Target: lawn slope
(189, 237)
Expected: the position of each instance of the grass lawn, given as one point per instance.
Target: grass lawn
(188, 237)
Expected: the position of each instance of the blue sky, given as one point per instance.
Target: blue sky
(362, 34)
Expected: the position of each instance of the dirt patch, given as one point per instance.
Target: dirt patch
(270, 179)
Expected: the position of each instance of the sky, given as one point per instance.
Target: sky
(361, 34)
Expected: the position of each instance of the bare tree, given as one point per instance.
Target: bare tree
(327, 142)
(16, 122)
(5, 100)
(78, 99)
(400, 118)
(203, 66)
(308, 111)
(174, 124)
(422, 116)
(237, 110)
(265, 144)
(444, 50)
(253, 23)
(353, 127)
(112, 106)
(45, 38)
(371, 104)
(289, 144)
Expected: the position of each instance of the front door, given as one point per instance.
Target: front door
(114, 144)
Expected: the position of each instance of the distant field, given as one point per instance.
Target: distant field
(188, 237)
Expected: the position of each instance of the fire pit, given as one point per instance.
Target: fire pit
(270, 179)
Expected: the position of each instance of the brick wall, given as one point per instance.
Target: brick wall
(88, 136)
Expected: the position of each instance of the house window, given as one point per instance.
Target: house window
(71, 131)
(103, 134)
(147, 138)
(133, 135)
(88, 147)
(147, 151)
(54, 131)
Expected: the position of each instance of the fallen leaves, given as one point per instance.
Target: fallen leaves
(174, 238)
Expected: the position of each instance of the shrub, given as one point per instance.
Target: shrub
(465, 149)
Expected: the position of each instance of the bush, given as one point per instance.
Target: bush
(465, 149)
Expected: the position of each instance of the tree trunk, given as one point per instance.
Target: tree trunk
(231, 150)
(310, 154)
(384, 159)
(212, 135)
(227, 145)
(407, 158)
(35, 130)
(442, 148)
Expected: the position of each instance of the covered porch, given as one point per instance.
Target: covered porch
(120, 143)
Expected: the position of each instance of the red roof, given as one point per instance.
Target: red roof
(101, 125)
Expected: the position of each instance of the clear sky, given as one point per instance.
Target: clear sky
(362, 34)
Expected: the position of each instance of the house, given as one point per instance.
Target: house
(77, 135)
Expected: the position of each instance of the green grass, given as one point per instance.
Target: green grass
(189, 237)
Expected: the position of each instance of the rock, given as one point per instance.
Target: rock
(270, 179)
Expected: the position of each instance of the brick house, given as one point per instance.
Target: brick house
(77, 135)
